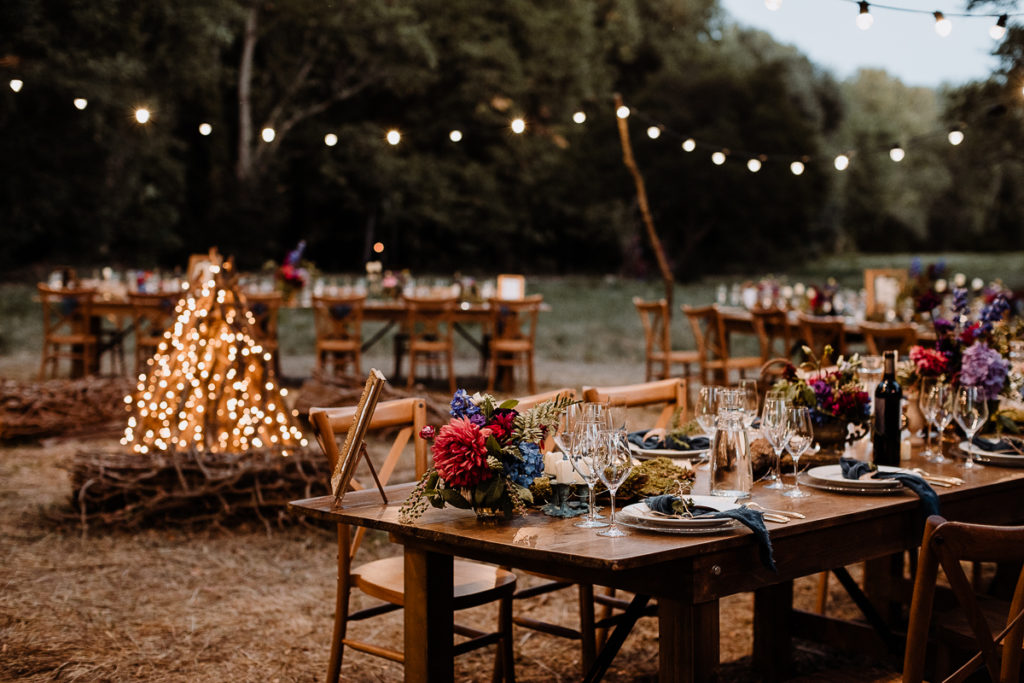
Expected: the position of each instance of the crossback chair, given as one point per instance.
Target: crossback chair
(67, 330)
(772, 327)
(152, 316)
(947, 544)
(658, 353)
(513, 334)
(474, 583)
(712, 339)
(430, 325)
(881, 337)
(339, 330)
(818, 331)
(265, 307)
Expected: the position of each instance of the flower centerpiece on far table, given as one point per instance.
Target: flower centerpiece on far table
(485, 458)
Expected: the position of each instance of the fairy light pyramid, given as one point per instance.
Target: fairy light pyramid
(210, 387)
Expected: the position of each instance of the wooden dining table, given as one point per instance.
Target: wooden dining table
(686, 575)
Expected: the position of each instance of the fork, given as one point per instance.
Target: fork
(938, 479)
(789, 513)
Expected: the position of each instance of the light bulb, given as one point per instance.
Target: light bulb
(455, 135)
(842, 162)
(16, 84)
(579, 117)
(797, 168)
(81, 103)
(654, 132)
(689, 144)
(142, 115)
(268, 134)
(864, 18)
(998, 29)
(896, 153)
(622, 112)
(205, 129)
(718, 158)
(956, 136)
(330, 139)
(393, 137)
(773, 5)
(943, 26)
(754, 165)
(518, 126)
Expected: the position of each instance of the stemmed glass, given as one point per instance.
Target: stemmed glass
(614, 463)
(570, 417)
(939, 413)
(800, 438)
(616, 412)
(748, 390)
(707, 409)
(927, 406)
(584, 453)
(776, 429)
(971, 412)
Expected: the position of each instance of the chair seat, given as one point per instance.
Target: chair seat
(682, 356)
(71, 339)
(429, 346)
(474, 583)
(736, 362)
(511, 345)
(338, 345)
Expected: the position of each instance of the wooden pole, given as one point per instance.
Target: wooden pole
(645, 209)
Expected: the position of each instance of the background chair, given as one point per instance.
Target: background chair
(772, 328)
(339, 332)
(474, 583)
(819, 331)
(669, 393)
(948, 544)
(265, 307)
(67, 331)
(712, 339)
(513, 335)
(881, 337)
(429, 324)
(152, 315)
(658, 353)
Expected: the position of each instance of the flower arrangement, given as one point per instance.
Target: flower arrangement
(834, 395)
(926, 286)
(294, 272)
(486, 457)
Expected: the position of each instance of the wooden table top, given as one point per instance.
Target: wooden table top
(733, 314)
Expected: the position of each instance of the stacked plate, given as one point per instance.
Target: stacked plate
(648, 453)
(1001, 458)
(639, 516)
(830, 478)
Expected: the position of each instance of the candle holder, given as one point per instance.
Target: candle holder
(564, 501)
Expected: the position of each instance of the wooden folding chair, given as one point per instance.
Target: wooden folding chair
(474, 583)
(513, 334)
(67, 331)
(881, 337)
(152, 316)
(430, 325)
(819, 331)
(658, 354)
(772, 327)
(712, 339)
(339, 325)
(948, 544)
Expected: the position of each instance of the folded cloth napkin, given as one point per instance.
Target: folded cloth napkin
(676, 443)
(855, 469)
(994, 445)
(752, 519)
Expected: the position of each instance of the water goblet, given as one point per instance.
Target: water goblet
(971, 411)
(707, 409)
(776, 429)
(800, 439)
(940, 413)
(585, 447)
(571, 415)
(927, 405)
(748, 389)
(614, 463)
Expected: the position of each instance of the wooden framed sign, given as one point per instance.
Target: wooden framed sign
(354, 447)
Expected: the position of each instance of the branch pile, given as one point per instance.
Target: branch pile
(120, 489)
(62, 407)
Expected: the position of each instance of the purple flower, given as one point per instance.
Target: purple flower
(994, 311)
(462, 405)
(960, 301)
(984, 368)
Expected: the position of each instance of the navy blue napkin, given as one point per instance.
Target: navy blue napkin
(854, 469)
(677, 443)
(752, 519)
(993, 445)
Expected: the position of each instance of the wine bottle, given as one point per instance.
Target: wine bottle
(886, 437)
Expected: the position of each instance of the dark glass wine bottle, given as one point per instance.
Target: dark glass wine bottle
(886, 437)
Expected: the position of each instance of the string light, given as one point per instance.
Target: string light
(518, 126)
(797, 168)
(579, 117)
(689, 144)
(622, 112)
(81, 103)
(943, 26)
(718, 158)
(16, 84)
(955, 137)
(268, 134)
(455, 136)
(896, 153)
(142, 115)
(864, 18)
(998, 29)
(842, 162)
(330, 139)
(654, 132)
(205, 129)
(393, 137)
(754, 165)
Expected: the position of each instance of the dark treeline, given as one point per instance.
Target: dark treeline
(92, 185)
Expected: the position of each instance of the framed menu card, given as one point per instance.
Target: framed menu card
(354, 447)
(883, 287)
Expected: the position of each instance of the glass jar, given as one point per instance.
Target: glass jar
(731, 469)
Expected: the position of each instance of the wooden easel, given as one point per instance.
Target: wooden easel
(354, 449)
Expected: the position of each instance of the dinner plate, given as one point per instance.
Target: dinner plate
(632, 523)
(641, 515)
(832, 475)
(990, 458)
(858, 490)
(648, 453)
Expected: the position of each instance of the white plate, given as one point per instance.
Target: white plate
(648, 453)
(640, 514)
(832, 475)
(859, 490)
(990, 458)
(681, 531)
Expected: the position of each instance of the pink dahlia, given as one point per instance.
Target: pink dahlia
(929, 362)
(460, 454)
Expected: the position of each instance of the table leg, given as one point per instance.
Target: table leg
(773, 649)
(687, 641)
(429, 636)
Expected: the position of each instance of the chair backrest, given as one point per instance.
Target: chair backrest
(66, 311)
(657, 333)
(429, 318)
(511, 286)
(881, 337)
(515, 318)
(771, 325)
(947, 544)
(339, 317)
(407, 414)
(708, 332)
(264, 308)
(819, 331)
(671, 392)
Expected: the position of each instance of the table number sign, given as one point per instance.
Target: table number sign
(355, 447)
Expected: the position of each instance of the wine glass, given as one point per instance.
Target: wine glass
(775, 427)
(748, 389)
(583, 454)
(971, 412)
(616, 412)
(927, 405)
(614, 463)
(940, 413)
(800, 439)
(567, 424)
(707, 409)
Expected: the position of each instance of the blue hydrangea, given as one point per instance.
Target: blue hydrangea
(462, 405)
(524, 471)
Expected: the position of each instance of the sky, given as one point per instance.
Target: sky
(904, 44)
